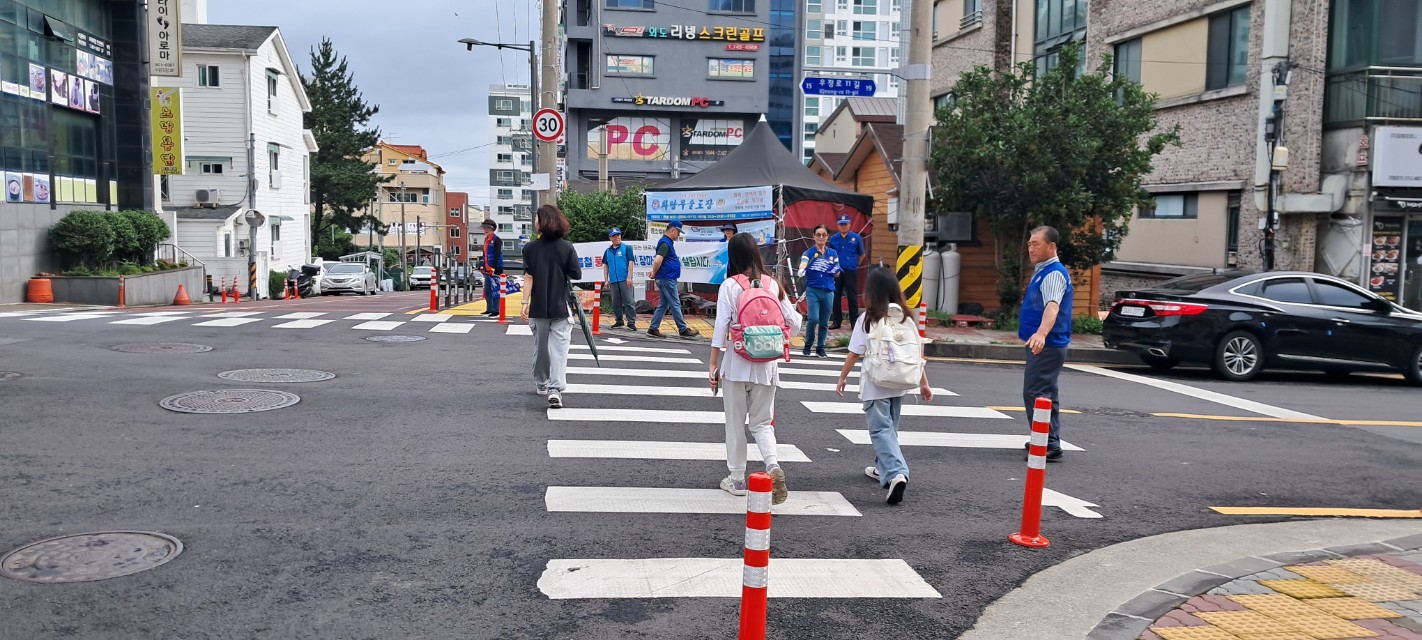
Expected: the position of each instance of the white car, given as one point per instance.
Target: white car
(420, 277)
(354, 277)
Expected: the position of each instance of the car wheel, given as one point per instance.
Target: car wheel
(1414, 371)
(1159, 363)
(1239, 356)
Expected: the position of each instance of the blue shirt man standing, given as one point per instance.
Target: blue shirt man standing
(850, 247)
(1044, 326)
(617, 261)
(666, 269)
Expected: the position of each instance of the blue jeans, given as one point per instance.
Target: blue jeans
(1039, 379)
(818, 306)
(491, 293)
(882, 417)
(670, 299)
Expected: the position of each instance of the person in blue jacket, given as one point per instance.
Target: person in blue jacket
(850, 247)
(666, 270)
(617, 261)
(1044, 326)
(818, 266)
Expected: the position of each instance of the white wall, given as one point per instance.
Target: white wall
(282, 125)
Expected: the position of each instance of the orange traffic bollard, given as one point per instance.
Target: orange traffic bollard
(123, 292)
(597, 309)
(434, 293)
(922, 320)
(223, 288)
(755, 578)
(1031, 533)
(503, 299)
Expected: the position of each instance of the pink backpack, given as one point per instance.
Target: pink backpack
(759, 333)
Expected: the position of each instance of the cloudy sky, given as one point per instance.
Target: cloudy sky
(406, 58)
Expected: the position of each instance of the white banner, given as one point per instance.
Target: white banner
(749, 203)
(165, 36)
(763, 230)
(701, 262)
(1397, 157)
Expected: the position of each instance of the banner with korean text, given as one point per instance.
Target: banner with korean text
(167, 130)
(748, 203)
(701, 262)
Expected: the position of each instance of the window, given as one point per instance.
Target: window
(866, 7)
(504, 175)
(623, 65)
(1227, 60)
(1232, 223)
(840, 55)
(503, 158)
(895, 31)
(1173, 206)
(631, 4)
(454, 248)
(504, 104)
(506, 194)
(814, 30)
(1059, 22)
(505, 227)
(454, 212)
(810, 129)
(730, 69)
(1290, 290)
(813, 55)
(274, 164)
(392, 162)
(1336, 295)
(733, 6)
(1375, 32)
(165, 188)
(306, 179)
(276, 236)
(814, 6)
(862, 56)
(943, 101)
(1128, 60)
(208, 76)
(509, 244)
(503, 123)
(271, 90)
(841, 27)
(812, 106)
(210, 168)
(454, 232)
(972, 13)
(865, 30)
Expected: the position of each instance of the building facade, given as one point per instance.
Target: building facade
(456, 234)
(510, 165)
(410, 204)
(849, 39)
(61, 152)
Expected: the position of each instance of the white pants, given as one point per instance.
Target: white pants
(550, 352)
(756, 402)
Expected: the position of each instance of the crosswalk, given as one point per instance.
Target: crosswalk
(299, 320)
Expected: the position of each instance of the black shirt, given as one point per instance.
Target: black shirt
(552, 263)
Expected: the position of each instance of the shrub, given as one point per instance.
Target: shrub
(148, 231)
(83, 238)
(80, 271)
(1090, 325)
(276, 281)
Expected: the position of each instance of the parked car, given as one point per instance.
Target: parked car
(420, 277)
(353, 277)
(1240, 323)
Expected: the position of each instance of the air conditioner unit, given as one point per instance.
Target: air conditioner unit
(207, 197)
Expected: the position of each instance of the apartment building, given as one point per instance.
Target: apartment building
(848, 39)
(456, 220)
(510, 165)
(411, 205)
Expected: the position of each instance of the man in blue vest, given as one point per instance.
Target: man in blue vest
(1044, 326)
(617, 261)
(850, 247)
(666, 269)
(493, 268)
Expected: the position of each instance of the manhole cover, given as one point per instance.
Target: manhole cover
(229, 401)
(6, 376)
(86, 557)
(276, 375)
(162, 347)
(395, 338)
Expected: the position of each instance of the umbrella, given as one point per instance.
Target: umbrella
(577, 306)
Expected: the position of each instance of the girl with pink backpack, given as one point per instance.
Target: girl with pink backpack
(754, 324)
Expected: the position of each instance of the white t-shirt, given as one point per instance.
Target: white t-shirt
(733, 366)
(859, 343)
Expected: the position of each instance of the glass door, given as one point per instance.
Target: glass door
(1412, 265)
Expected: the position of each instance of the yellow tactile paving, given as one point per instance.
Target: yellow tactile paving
(1275, 605)
(1302, 588)
(1193, 633)
(1375, 592)
(1275, 636)
(1327, 574)
(1326, 627)
(1352, 608)
(1238, 622)
(1380, 572)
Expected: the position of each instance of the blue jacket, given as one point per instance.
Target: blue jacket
(671, 265)
(822, 269)
(493, 255)
(850, 248)
(617, 262)
(1034, 306)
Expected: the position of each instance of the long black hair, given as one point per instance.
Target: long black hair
(881, 289)
(743, 258)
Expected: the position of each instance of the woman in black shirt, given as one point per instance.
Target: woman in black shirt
(550, 263)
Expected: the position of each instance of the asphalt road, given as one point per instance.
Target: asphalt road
(406, 497)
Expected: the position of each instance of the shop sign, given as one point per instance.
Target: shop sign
(165, 32)
(710, 140)
(670, 101)
(747, 203)
(1390, 204)
(1386, 257)
(736, 46)
(688, 32)
(167, 130)
(1397, 157)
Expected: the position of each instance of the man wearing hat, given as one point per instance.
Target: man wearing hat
(850, 247)
(617, 261)
(493, 268)
(666, 269)
(727, 231)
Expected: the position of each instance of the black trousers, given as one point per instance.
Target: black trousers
(1039, 380)
(846, 284)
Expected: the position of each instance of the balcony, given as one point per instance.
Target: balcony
(1372, 95)
(971, 19)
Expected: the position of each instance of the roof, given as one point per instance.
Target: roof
(867, 110)
(886, 139)
(832, 161)
(412, 150)
(225, 36)
(206, 213)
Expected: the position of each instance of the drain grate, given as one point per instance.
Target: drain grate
(276, 375)
(86, 557)
(162, 347)
(395, 338)
(229, 401)
(6, 376)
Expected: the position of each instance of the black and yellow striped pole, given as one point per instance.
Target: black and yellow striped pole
(910, 274)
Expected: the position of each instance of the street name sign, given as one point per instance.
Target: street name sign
(851, 87)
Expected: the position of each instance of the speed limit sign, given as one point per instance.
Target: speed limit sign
(548, 125)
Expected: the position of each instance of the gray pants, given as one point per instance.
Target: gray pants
(1039, 380)
(551, 337)
(748, 406)
(624, 303)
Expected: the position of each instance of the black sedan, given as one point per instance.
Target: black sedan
(1239, 323)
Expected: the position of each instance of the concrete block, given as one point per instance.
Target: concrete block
(1151, 604)
(1242, 567)
(1119, 627)
(1193, 583)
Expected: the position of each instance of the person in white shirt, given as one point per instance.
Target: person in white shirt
(749, 386)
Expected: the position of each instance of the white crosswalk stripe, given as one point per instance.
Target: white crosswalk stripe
(233, 314)
(655, 450)
(635, 373)
(612, 347)
(227, 322)
(301, 315)
(68, 317)
(636, 390)
(925, 410)
(150, 320)
(959, 440)
(378, 325)
(613, 357)
(565, 579)
(431, 317)
(822, 373)
(367, 316)
(661, 500)
(583, 414)
(848, 389)
(302, 324)
(837, 364)
(519, 330)
(452, 327)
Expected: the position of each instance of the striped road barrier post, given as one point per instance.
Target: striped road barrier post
(1030, 535)
(755, 580)
(434, 290)
(597, 309)
(922, 320)
(503, 299)
(224, 289)
(123, 290)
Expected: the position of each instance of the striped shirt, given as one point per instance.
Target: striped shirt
(1054, 285)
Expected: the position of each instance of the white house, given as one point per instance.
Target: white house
(242, 107)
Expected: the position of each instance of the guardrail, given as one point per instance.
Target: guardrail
(1373, 94)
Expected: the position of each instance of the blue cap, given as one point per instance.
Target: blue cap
(674, 224)
(728, 227)
(844, 218)
(614, 232)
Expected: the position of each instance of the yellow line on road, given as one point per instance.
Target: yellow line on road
(1320, 512)
(1023, 409)
(1341, 423)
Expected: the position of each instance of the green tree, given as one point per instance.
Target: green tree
(334, 243)
(83, 238)
(341, 182)
(590, 215)
(147, 230)
(1066, 149)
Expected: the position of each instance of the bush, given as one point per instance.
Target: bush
(1090, 325)
(78, 272)
(276, 282)
(148, 231)
(83, 238)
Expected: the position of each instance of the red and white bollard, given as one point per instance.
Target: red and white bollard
(223, 288)
(755, 580)
(434, 290)
(1031, 533)
(922, 320)
(597, 309)
(123, 291)
(503, 298)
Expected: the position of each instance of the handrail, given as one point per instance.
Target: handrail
(172, 254)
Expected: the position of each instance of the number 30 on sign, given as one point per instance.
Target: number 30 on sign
(548, 125)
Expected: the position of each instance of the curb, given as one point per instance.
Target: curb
(1011, 352)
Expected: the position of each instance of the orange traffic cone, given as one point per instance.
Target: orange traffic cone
(182, 297)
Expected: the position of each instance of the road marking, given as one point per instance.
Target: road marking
(1320, 512)
(233, 314)
(301, 315)
(453, 327)
(17, 314)
(974, 360)
(378, 325)
(635, 390)
(721, 578)
(804, 358)
(150, 320)
(302, 324)
(927, 410)
(815, 372)
(519, 330)
(68, 317)
(638, 415)
(1341, 423)
(653, 450)
(162, 313)
(367, 316)
(1024, 409)
(848, 389)
(612, 357)
(226, 322)
(704, 501)
(817, 363)
(431, 317)
(634, 349)
(1073, 506)
(1196, 392)
(959, 440)
(636, 373)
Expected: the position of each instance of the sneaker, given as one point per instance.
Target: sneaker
(896, 489)
(806, 352)
(689, 333)
(733, 487)
(654, 333)
(1053, 455)
(778, 491)
(833, 326)
(616, 325)
(820, 352)
(872, 472)
(555, 399)
(631, 327)
(542, 391)
(491, 314)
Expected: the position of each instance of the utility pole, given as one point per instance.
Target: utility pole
(404, 266)
(419, 228)
(918, 116)
(533, 143)
(547, 159)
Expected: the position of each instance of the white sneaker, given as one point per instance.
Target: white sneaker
(872, 472)
(778, 491)
(555, 399)
(896, 489)
(542, 391)
(733, 487)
